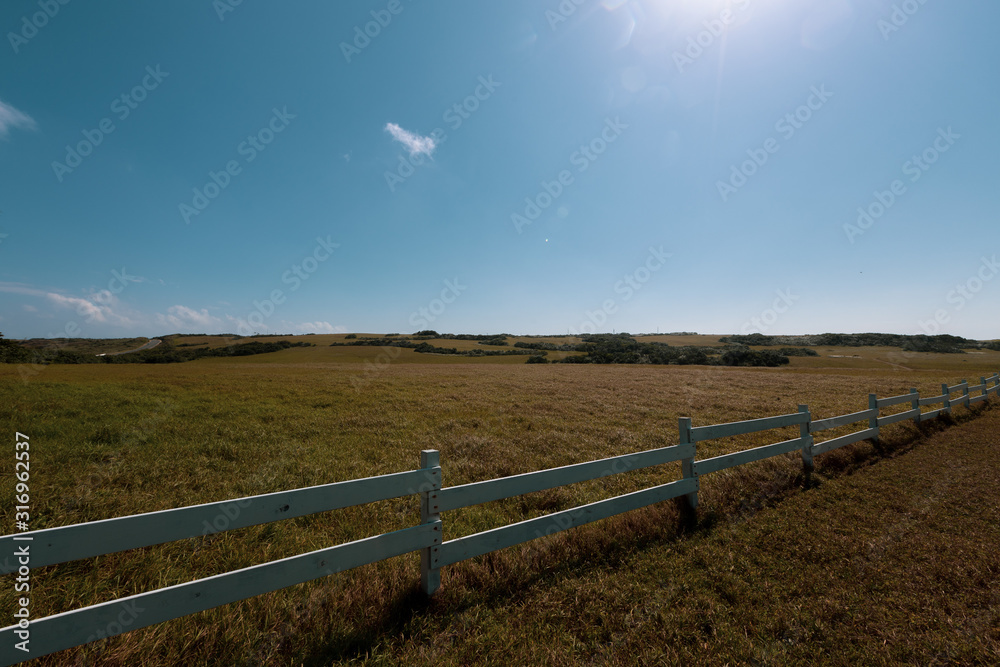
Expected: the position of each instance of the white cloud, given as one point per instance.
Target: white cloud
(88, 310)
(101, 306)
(11, 118)
(188, 320)
(414, 143)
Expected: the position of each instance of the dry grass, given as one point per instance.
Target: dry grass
(116, 440)
(86, 345)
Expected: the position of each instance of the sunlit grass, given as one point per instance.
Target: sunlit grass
(117, 440)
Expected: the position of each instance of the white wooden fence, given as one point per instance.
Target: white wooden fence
(67, 543)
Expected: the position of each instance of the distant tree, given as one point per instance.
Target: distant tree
(12, 352)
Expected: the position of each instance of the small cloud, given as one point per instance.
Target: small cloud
(29, 308)
(12, 118)
(414, 143)
(347, 157)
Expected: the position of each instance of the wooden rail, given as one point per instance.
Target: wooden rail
(81, 626)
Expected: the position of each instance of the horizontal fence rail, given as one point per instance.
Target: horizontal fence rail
(98, 538)
(465, 495)
(898, 417)
(894, 400)
(478, 544)
(85, 625)
(702, 433)
(842, 420)
(57, 545)
(835, 443)
(931, 400)
(717, 463)
(81, 626)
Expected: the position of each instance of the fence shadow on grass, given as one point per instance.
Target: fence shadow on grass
(511, 574)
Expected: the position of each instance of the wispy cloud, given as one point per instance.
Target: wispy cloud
(84, 307)
(12, 118)
(101, 306)
(96, 306)
(20, 288)
(186, 320)
(414, 143)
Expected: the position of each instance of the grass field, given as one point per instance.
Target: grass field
(890, 560)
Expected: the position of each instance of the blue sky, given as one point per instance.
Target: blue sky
(521, 167)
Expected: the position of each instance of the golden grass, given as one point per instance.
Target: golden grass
(123, 439)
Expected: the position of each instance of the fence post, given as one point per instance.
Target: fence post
(982, 381)
(915, 404)
(947, 398)
(873, 420)
(807, 445)
(965, 394)
(430, 576)
(689, 503)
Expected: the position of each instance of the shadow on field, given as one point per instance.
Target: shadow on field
(500, 578)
